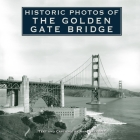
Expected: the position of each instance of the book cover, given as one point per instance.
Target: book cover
(69, 70)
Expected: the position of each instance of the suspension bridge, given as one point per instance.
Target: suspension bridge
(86, 77)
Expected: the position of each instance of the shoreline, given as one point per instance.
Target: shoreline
(78, 128)
(99, 119)
(72, 124)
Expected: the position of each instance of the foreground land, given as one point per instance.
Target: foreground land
(19, 126)
(12, 127)
(72, 124)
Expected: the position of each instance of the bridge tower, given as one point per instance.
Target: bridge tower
(120, 89)
(12, 95)
(95, 94)
(62, 94)
(25, 93)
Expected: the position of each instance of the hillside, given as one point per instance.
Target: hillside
(104, 93)
(14, 126)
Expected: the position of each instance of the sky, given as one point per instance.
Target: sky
(53, 57)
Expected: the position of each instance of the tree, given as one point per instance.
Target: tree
(57, 124)
(1, 112)
(1, 138)
(47, 115)
(28, 122)
(61, 125)
(39, 119)
(25, 120)
(38, 136)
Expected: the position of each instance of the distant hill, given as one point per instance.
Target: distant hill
(129, 93)
(105, 92)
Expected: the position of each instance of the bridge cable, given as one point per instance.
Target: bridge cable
(104, 80)
(105, 72)
(78, 73)
(74, 70)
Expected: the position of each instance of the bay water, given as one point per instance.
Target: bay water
(126, 110)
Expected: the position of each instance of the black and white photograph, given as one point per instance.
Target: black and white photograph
(69, 70)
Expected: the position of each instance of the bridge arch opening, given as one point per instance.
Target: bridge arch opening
(43, 102)
(12, 97)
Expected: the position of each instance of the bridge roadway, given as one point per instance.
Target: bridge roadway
(27, 92)
(15, 84)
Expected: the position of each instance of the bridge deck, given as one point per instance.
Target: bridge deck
(15, 84)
